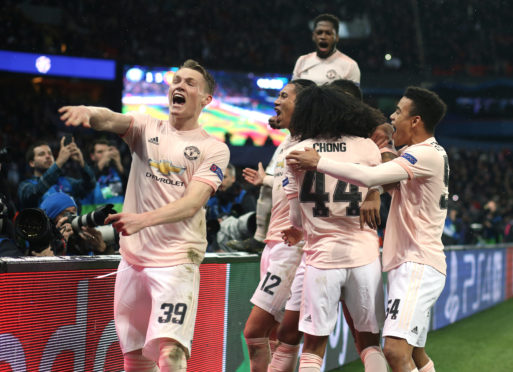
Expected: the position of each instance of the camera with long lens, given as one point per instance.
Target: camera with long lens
(95, 219)
(34, 226)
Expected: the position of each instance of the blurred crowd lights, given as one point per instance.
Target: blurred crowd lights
(136, 74)
(272, 83)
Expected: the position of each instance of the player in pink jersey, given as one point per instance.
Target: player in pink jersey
(367, 344)
(326, 64)
(342, 260)
(279, 261)
(176, 167)
(413, 252)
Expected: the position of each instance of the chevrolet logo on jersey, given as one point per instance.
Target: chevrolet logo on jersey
(166, 167)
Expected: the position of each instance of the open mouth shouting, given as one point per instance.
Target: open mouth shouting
(178, 99)
(277, 118)
(324, 47)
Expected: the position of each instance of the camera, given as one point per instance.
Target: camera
(95, 219)
(34, 226)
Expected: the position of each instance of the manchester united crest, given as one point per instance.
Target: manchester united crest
(331, 74)
(191, 152)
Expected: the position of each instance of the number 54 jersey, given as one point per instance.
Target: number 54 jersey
(330, 209)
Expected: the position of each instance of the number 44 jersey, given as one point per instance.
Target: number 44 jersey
(330, 209)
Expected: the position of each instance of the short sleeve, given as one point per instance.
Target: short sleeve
(420, 161)
(289, 184)
(211, 170)
(354, 73)
(297, 66)
(136, 129)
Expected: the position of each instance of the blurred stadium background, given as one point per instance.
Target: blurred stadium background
(461, 49)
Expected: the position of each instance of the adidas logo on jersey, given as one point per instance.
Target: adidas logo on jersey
(154, 140)
(415, 330)
(308, 318)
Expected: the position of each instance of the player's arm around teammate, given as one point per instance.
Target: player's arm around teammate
(416, 206)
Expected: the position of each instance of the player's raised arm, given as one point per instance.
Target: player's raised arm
(98, 118)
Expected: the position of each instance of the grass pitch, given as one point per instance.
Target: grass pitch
(482, 342)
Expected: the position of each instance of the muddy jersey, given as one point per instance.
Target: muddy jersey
(164, 162)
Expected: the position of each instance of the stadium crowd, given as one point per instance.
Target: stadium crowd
(61, 182)
(482, 200)
(267, 35)
(480, 183)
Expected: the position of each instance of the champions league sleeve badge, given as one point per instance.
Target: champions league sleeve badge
(214, 168)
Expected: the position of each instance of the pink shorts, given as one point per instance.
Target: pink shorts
(278, 266)
(155, 302)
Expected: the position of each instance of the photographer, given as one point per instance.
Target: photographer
(110, 177)
(48, 174)
(61, 209)
(230, 213)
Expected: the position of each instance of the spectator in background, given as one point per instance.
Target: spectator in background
(231, 198)
(452, 233)
(326, 64)
(59, 207)
(492, 223)
(110, 177)
(230, 212)
(48, 175)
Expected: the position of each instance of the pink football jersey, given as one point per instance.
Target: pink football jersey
(164, 162)
(280, 204)
(418, 209)
(326, 70)
(330, 208)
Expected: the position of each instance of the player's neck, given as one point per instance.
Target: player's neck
(184, 124)
(326, 56)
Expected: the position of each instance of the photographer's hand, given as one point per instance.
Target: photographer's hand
(93, 236)
(65, 228)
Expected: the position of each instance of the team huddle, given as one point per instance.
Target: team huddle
(322, 249)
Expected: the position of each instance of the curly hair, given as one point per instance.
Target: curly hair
(329, 113)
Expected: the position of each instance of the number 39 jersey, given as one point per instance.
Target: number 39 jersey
(330, 208)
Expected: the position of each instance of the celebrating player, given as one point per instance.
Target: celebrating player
(176, 167)
(326, 64)
(413, 251)
(342, 259)
(279, 261)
